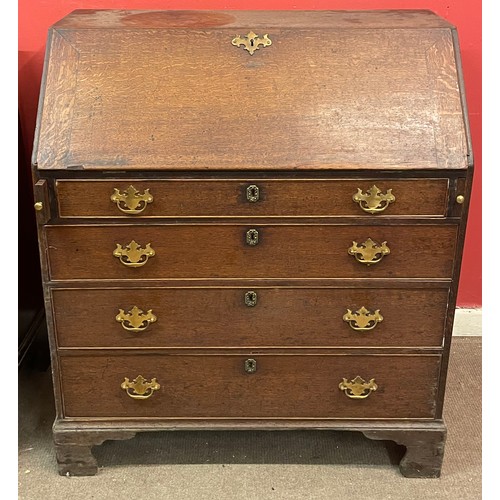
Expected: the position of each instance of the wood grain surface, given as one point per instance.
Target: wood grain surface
(218, 317)
(147, 19)
(277, 198)
(344, 98)
(220, 251)
(218, 386)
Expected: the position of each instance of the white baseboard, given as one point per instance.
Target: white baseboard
(468, 322)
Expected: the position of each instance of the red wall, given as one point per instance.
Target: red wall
(35, 16)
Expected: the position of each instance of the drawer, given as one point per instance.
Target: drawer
(242, 251)
(251, 198)
(243, 317)
(280, 386)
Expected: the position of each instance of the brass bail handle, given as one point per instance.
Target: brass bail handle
(373, 201)
(362, 320)
(131, 201)
(358, 388)
(135, 320)
(133, 255)
(369, 252)
(140, 388)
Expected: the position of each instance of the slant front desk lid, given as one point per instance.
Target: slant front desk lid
(181, 90)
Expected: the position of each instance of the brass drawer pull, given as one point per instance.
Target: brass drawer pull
(252, 41)
(362, 320)
(135, 320)
(374, 201)
(250, 365)
(252, 237)
(131, 202)
(369, 252)
(251, 298)
(139, 388)
(358, 388)
(133, 255)
(253, 193)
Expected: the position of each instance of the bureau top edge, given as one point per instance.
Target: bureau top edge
(171, 19)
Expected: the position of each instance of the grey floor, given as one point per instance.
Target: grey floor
(256, 465)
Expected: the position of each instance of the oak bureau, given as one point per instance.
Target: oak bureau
(251, 220)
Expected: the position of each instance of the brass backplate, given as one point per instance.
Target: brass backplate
(362, 320)
(358, 388)
(132, 255)
(140, 388)
(374, 201)
(131, 202)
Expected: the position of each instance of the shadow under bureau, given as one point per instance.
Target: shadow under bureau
(251, 220)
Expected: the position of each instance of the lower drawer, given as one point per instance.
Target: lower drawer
(250, 386)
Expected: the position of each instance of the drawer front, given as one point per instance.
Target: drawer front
(249, 386)
(244, 317)
(251, 198)
(239, 251)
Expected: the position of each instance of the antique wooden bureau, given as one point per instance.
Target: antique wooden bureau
(251, 220)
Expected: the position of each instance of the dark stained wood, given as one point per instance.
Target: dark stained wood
(220, 251)
(424, 450)
(411, 283)
(218, 317)
(219, 198)
(424, 440)
(342, 99)
(104, 425)
(454, 292)
(218, 386)
(361, 174)
(74, 449)
(75, 460)
(278, 351)
(41, 194)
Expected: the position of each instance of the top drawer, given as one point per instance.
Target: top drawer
(252, 198)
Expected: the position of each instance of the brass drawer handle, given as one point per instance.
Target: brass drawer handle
(135, 320)
(250, 365)
(133, 255)
(253, 193)
(252, 237)
(369, 252)
(374, 201)
(358, 388)
(251, 298)
(252, 41)
(139, 388)
(362, 320)
(131, 202)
